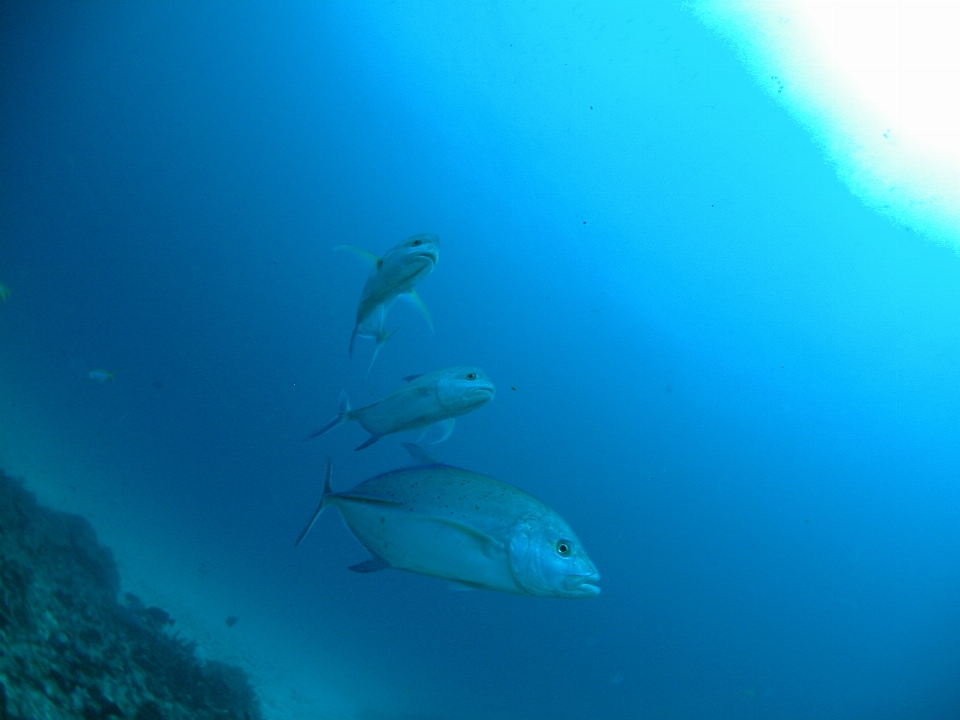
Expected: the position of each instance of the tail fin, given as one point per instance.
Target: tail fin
(381, 341)
(320, 506)
(343, 408)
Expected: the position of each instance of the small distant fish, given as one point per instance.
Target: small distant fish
(395, 274)
(100, 376)
(438, 520)
(439, 397)
(4, 292)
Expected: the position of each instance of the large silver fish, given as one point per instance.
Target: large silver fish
(441, 521)
(439, 397)
(395, 274)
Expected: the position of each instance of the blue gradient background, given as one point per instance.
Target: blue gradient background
(739, 386)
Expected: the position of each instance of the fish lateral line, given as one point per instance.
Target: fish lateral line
(357, 497)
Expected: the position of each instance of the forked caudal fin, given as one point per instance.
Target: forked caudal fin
(320, 506)
(343, 407)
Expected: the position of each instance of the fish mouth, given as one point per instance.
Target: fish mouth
(582, 585)
(479, 395)
(425, 254)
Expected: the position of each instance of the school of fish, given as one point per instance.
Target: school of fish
(432, 518)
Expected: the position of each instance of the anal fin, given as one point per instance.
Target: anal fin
(463, 586)
(374, 564)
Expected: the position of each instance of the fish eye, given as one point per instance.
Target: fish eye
(564, 548)
(471, 376)
(417, 242)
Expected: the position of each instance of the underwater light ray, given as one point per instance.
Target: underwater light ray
(872, 82)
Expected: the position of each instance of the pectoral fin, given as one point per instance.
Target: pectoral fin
(487, 544)
(446, 426)
(419, 455)
(423, 308)
(368, 256)
(372, 565)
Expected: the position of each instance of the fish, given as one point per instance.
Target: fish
(100, 375)
(4, 292)
(395, 274)
(472, 530)
(435, 398)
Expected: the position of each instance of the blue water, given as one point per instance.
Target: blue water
(739, 386)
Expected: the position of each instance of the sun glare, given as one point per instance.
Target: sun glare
(875, 83)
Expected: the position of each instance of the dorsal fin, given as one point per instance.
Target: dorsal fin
(419, 455)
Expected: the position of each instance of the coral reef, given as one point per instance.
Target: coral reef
(70, 649)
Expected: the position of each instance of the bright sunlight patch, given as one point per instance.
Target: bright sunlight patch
(875, 83)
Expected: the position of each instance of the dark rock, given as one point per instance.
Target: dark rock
(64, 637)
(157, 617)
(148, 711)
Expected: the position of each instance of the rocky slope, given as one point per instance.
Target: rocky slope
(70, 649)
